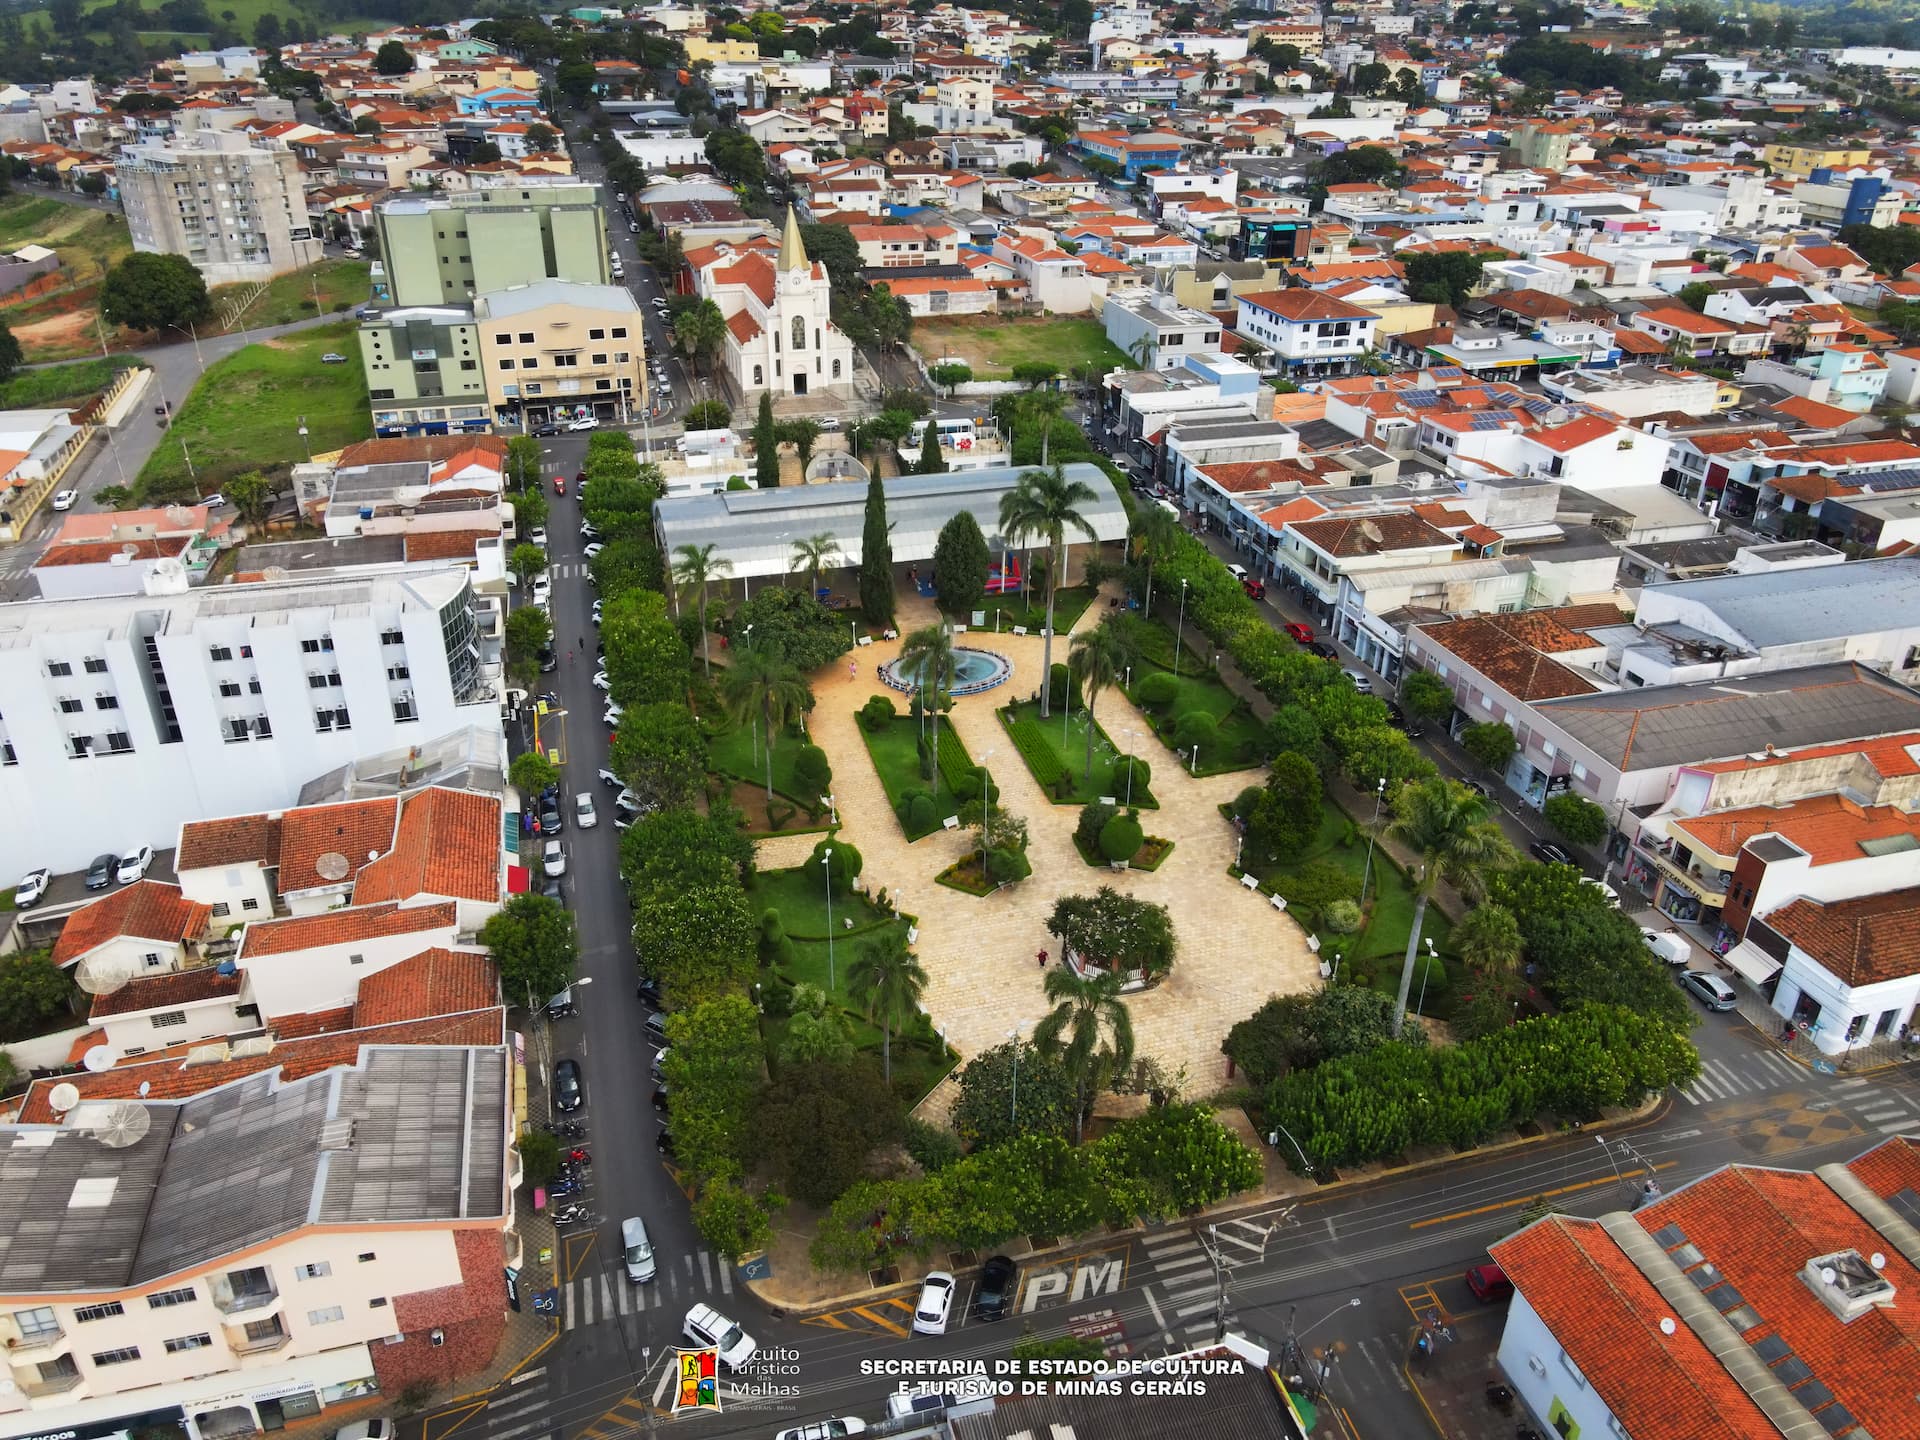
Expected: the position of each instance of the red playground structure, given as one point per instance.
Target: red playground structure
(1004, 578)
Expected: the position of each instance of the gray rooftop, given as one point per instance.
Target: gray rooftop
(756, 529)
(1798, 606)
(407, 1133)
(520, 299)
(326, 553)
(1666, 725)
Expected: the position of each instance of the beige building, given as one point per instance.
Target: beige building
(558, 351)
(237, 212)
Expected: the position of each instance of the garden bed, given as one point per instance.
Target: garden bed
(732, 756)
(1242, 738)
(896, 758)
(783, 817)
(1006, 611)
(1058, 760)
(1151, 855)
(967, 875)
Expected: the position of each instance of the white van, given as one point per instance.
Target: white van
(637, 1249)
(1168, 506)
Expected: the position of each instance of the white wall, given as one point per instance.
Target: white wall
(327, 977)
(1839, 1003)
(1535, 1366)
(232, 886)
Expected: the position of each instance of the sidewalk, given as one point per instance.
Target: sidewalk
(1452, 1383)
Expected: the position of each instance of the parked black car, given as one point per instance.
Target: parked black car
(663, 1142)
(100, 872)
(549, 660)
(569, 1090)
(543, 431)
(551, 819)
(1549, 853)
(1323, 650)
(999, 1281)
(660, 1098)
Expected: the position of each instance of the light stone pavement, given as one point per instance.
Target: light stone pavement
(1235, 950)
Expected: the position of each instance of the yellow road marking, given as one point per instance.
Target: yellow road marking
(459, 1416)
(576, 1251)
(892, 1327)
(1532, 1199)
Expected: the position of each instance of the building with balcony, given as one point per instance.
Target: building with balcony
(238, 212)
(1306, 332)
(246, 1257)
(1158, 331)
(449, 249)
(556, 351)
(422, 364)
(125, 716)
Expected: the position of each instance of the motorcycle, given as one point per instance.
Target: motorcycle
(572, 1215)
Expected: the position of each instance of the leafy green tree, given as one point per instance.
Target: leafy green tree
(766, 446)
(660, 753)
(1096, 659)
(960, 563)
(1116, 931)
(876, 556)
(1089, 1031)
(682, 847)
(628, 564)
(154, 292)
(809, 634)
(813, 554)
(523, 462)
(541, 138)
(528, 632)
(818, 1033)
(1426, 696)
(527, 561)
(1045, 505)
(951, 374)
(252, 495)
(699, 941)
(1292, 1032)
(1575, 818)
(32, 991)
(1000, 1098)
(1447, 826)
(646, 658)
(928, 655)
(531, 773)
(695, 568)
(1286, 817)
(733, 1220)
(932, 460)
(889, 982)
(539, 1151)
(714, 1073)
(1155, 532)
(532, 942)
(1488, 940)
(10, 353)
(620, 507)
(801, 433)
(707, 415)
(887, 317)
(1376, 752)
(700, 330)
(1448, 277)
(739, 158)
(1490, 743)
(1695, 296)
(1584, 949)
(1177, 1159)
(1121, 838)
(820, 1123)
(763, 684)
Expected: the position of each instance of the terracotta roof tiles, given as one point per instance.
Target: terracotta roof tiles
(1372, 534)
(207, 844)
(182, 987)
(447, 844)
(1861, 941)
(146, 909)
(360, 830)
(434, 982)
(446, 544)
(1830, 828)
(343, 927)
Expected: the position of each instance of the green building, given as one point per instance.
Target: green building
(423, 369)
(446, 250)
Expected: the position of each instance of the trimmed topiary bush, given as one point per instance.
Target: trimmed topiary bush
(1196, 727)
(1006, 865)
(1244, 802)
(813, 770)
(877, 713)
(1155, 690)
(1093, 820)
(917, 812)
(1141, 773)
(843, 868)
(1121, 837)
(1063, 689)
(1342, 917)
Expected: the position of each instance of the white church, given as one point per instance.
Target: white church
(778, 335)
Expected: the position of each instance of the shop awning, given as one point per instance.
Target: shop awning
(1754, 963)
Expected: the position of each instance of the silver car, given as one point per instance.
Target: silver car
(1710, 990)
(637, 1249)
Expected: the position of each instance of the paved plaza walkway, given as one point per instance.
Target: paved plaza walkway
(1235, 950)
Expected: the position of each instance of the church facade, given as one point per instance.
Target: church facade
(779, 336)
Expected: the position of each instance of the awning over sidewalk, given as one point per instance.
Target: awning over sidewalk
(1753, 963)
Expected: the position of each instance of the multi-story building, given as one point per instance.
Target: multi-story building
(1158, 331)
(236, 211)
(422, 364)
(247, 1257)
(555, 349)
(449, 249)
(223, 700)
(1306, 332)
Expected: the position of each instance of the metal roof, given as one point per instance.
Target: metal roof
(756, 529)
(1793, 606)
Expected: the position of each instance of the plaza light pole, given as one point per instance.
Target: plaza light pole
(1293, 1342)
(1180, 630)
(1366, 874)
(826, 864)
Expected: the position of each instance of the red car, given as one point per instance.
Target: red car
(559, 484)
(1302, 633)
(1489, 1284)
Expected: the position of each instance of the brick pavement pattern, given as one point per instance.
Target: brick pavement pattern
(1235, 950)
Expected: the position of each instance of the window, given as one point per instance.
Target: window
(620, 357)
(836, 369)
(167, 1018)
(251, 904)
(229, 689)
(326, 1316)
(799, 332)
(316, 681)
(96, 665)
(599, 359)
(506, 364)
(70, 706)
(1574, 1370)
(221, 909)
(310, 647)
(318, 1270)
(619, 332)
(219, 653)
(189, 1342)
(119, 742)
(58, 668)
(253, 686)
(759, 376)
(117, 1357)
(367, 1257)
(38, 1323)
(596, 334)
(526, 337)
(106, 702)
(502, 339)
(379, 1302)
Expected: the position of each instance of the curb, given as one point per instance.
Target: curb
(1651, 1109)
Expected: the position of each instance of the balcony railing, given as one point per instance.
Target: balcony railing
(247, 1345)
(35, 1342)
(41, 1385)
(1705, 884)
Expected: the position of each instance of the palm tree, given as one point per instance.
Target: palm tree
(1044, 505)
(1046, 405)
(1447, 825)
(928, 654)
(889, 981)
(1088, 1031)
(814, 554)
(1488, 939)
(1154, 532)
(694, 568)
(763, 684)
(1142, 350)
(1096, 659)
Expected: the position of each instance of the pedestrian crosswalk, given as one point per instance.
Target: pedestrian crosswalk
(1890, 1109)
(1184, 1290)
(594, 1297)
(565, 570)
(522, 1407)
(1751, 1074)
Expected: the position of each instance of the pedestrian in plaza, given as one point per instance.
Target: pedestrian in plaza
(1043, 959)
(853, 669)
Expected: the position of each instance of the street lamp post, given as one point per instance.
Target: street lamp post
(826, 864)
(986, 802)
(1180, 630)
(1013, 1110)
(304, 441)
(1366, 874)
(1293, 1339)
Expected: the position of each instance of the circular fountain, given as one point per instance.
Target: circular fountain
(974, 671)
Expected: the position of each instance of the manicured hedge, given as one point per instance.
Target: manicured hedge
(1041, 757)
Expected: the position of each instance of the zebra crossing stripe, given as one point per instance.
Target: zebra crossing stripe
(1875, 1116)
(1908, 1126)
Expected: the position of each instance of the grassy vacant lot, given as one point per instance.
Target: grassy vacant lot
(59, 385)
(89, 241)
(897, 760)
(245, 413)
(341, 284)
(993, 345)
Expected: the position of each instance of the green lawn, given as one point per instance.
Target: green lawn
(992, 346)
(61, 385)
(88, 241)
(1201, 688)
(741, 753)
(246, 412)
(342, 284)
(1065, 736)
(897, 760)
(1006, 611)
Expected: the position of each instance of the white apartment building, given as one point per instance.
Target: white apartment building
(124, 716)
(237, 212)
(1306, 332)
(1158, 331)
(251, 1256)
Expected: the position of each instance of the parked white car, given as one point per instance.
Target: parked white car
(584, 815)
(935, 1304)
(63, 499)
(553, 859)
(133, 865)
(589, 423)
(708, 1328)
(31, 887)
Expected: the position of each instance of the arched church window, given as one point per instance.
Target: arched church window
(799, 332)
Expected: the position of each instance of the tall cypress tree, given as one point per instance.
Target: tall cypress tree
(876, 557)
(932, 462)
(766, 446)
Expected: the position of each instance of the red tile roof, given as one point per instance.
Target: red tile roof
(1248, 476)
(360, 830)
(1861, 941)
(434, 982)
(1575, 433)
(172, 1078)
(146, 910)
(1888, 755)
(420, 447)
(208, 844)
(162, 992)
(448, 844)
(446, 544)
(342, 927)
(1372, 534)
(102, 552)
(754, 271)
(1301, 305)
(1890, 1168)
(1830, 828)
(1515, 651)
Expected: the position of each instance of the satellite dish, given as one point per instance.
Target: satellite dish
(331, 866)
(1877, 1260)
(116, 1125)
(275, 574)
(129, 549)
(372, 855)
(103, 974)
(145, 1087)
(1667, 1327)
(1828, 1274)
(97, 1058)
(1371, 532)
(63, 1097)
